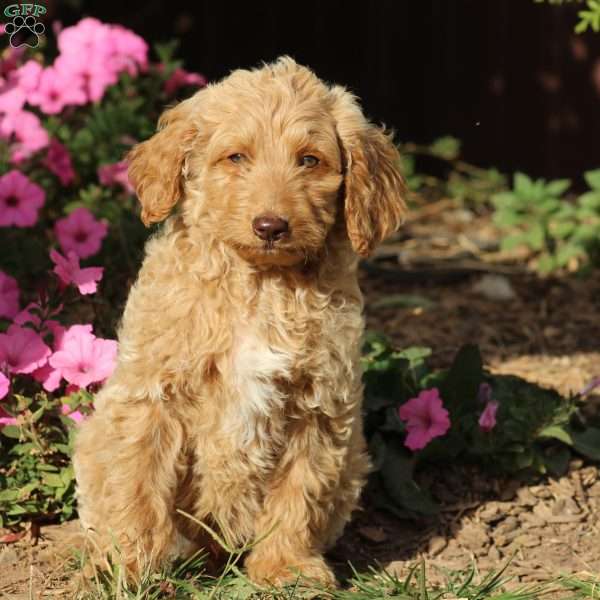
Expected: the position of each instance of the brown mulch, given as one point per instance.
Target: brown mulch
(546, 330)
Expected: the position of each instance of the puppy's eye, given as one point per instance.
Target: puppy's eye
(309, 161)
(236, 158)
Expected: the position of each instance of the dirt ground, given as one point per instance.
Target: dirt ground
(444, 283)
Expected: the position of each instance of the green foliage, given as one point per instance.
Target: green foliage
(561, 233)
(466, 183)
(36, 475)
(588, 18)
(536, 429)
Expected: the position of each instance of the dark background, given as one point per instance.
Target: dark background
(507, 77)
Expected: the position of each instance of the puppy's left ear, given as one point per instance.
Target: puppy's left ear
(374, 204)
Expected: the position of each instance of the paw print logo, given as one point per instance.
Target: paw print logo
(24, 31)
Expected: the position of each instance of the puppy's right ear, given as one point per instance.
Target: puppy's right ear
(156, 165)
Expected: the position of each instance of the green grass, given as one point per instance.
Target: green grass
(188, 580)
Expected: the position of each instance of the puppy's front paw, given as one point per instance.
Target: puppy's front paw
(278, 572)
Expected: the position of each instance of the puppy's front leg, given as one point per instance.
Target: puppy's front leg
(299, 508)
(127, 464)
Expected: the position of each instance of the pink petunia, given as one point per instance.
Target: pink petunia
(58, 87)
(4, 385)
(487, 420)
(75, 415)
(12, 97)
(80, 233)
(25, 134)
(69, 271)
(84, 359)
(9, 296)
(20, 200)
(425, 417)
(115, 173)
(22, 350)
(29, 76)
(58, 160)
(97, 53)
(47, 375)
(180, 77)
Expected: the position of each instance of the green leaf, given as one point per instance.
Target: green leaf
(587, 442)
(558, 187)
(446, 147)
(590, 200)
(592, 178)
(53, 480)
(562, 230)
(402, 301)
(397, 476)
(523, 185)
(510, 242)
(558, 433)
(11, 431)
(507, 218)
(415, 355)
(556, 461)
(536, 237)
(546, 263)
(460, 389)
(9, 495)
(567, 252)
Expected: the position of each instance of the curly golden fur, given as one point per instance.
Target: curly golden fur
(237, 395)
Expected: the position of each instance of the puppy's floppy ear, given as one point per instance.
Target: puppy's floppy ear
(374, 189)
(156, 165)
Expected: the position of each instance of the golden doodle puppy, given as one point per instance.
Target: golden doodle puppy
(237, 395)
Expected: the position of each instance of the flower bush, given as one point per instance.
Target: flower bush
(71, 240)
(416, 416)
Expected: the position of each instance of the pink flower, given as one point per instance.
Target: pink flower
(4, 385)
(76, 415)
(487, 420)
(25, 132)
(130, 51)
(58, 160)
(58, 87)
(29, 76)
(49, 377)
(96, 53)
(84, 358)
(17, 85)
(93, 75)
(69, 271)
(426, 418)
(12, 97)
(20, 200)
(80, 232)
(181, 77)
(115, 173)
(9, 296)
(22, 350)
(6, 419)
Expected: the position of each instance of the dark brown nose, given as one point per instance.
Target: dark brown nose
(270, 229)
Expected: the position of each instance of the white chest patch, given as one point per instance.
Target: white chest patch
(254, 368)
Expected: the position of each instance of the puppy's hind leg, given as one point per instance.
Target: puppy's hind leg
(128, 459)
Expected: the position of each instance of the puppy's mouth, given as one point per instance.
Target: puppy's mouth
(272, 253)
